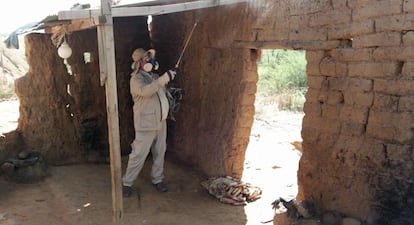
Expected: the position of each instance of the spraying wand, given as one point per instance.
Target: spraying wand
(185, 45)
(174, 95)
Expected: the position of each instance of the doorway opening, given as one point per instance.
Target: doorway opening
(13, 65)
(271, 160)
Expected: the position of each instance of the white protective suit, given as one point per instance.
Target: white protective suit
(150, 114)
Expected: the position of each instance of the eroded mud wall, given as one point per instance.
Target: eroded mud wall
(43, 99)
(213, 125)
(357, 130)
(63, 112)
(358, 125)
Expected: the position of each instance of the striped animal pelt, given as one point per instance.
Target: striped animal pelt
(231, 190)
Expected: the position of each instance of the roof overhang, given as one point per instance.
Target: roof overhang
(145, 9)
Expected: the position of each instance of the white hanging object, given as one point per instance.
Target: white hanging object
(64, 51)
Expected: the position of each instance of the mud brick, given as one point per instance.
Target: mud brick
(374, 9)
(329, 67)
(299, 7)
(408, 6)
(331, 17)
(395, 23)
(370, 70)
(335, 97)
(313, 109)
(313, 59)
(351, 55)
(395, 127)
(394, 53)
(359, 98)
(316, 82)
(338, 83)
(312, 69)
(406, 104)
(320, 34)
(353, 129)
(312, 95)
(354, 114)
(394, 87)
(314, 56)
(347, 31)
(385, 102)
(379, 39)
(408, 70)
(408, 38)
(361, 85)
(331, 111)
(339, 4)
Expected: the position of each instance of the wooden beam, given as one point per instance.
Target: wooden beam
(146, 10)
(106, 47)
(172, 8)
(74, 25)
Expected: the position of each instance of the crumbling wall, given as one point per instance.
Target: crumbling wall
(358, 125)
(63, 111)
(43, 99)
(212, 128)
(357, 130)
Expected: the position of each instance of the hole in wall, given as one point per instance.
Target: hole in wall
(87, 57)
(68, 90)
(68, 68)
(272, 156)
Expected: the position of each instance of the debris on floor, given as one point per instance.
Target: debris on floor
(231, 190)
(26, 167)
(303, 209)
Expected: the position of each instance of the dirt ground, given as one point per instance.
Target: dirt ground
(81, 194)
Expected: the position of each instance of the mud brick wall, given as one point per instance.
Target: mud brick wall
(358, 125)
(212, 128)
(63, 115)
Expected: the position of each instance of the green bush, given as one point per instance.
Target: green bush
(282, 74)
(6, 90)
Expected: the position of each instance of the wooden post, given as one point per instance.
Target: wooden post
(106, 47)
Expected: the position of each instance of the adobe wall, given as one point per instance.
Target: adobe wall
(63, 115)
(212, 128)
(358, 125)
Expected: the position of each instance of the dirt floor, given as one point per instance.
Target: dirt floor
(81, 194)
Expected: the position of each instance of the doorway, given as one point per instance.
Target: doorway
(271, 160)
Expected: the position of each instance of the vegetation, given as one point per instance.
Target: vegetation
(12, 66)
(282, 79)
(6, 90)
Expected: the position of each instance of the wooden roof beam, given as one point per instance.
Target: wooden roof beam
(146, 10)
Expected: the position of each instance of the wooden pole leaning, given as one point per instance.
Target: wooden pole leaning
(106, 46)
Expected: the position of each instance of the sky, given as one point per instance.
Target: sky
(17, 13)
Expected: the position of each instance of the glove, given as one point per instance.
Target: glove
(167, 77)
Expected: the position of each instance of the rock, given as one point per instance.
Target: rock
(23, 154)
(331, 218)
(350, 221)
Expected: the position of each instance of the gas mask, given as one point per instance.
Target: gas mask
(148, 62)
(145, 60)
